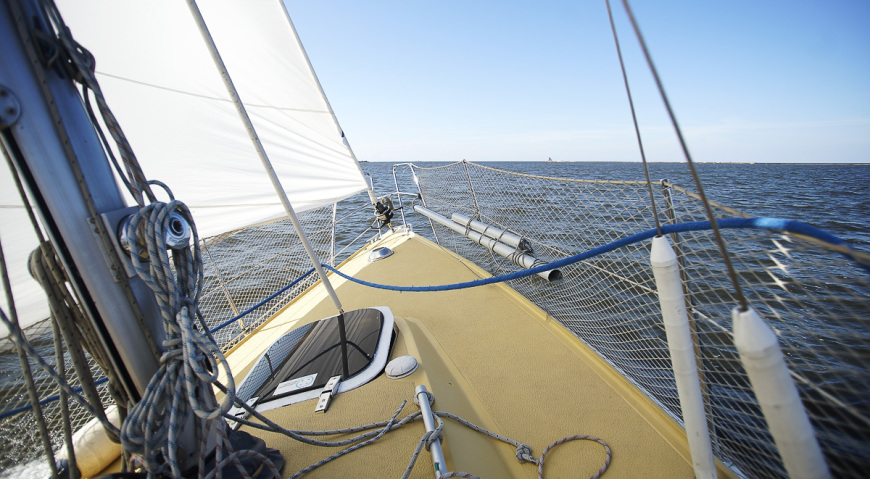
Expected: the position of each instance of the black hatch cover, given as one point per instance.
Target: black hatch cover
(317, 356)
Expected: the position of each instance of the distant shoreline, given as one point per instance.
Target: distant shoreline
(640, 162)
(682, 162)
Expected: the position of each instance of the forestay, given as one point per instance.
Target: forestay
(166, 92)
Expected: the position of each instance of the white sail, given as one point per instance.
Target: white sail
(162, 85)
(165, 90)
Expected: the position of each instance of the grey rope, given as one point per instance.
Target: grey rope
(732, 274)
(20, 346)
(63, 306)
(18, 338)
(350, 449)
(233, 457)
(44, 269)
(425, 441)
(578, 438)
(191, 363)
(105, 142)
(634, 120)
(82, 64)
(64, 403)
(269, 425)
(73, 59)
(523, 451)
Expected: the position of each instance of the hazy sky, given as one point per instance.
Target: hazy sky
(752, 81)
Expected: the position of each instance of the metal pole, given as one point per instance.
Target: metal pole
(220, 279)
(422, 398)
(399, 197)
(332, 241)
(517, 257)
(690, 304)
(64, 167)
(249, 126)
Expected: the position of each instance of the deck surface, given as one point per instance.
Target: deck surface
(487, 355)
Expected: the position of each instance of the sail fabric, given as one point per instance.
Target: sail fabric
(163, 86)
(161, 83)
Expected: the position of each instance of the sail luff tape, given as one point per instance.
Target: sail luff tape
(510, 252)
(499, 234)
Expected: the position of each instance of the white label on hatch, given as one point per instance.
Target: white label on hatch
(295, 384)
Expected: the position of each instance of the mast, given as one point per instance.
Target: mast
(58, 154)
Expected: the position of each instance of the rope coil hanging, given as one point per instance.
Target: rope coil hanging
(191, 363)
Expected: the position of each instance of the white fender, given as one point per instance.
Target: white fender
(94, 450)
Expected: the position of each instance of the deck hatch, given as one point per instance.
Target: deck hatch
(298, 365)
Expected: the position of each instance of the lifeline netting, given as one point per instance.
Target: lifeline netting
(814, 298)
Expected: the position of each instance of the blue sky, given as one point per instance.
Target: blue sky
(749, 81)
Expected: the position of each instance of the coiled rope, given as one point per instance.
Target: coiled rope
(190, 365)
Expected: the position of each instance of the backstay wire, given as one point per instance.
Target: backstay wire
(738, 291)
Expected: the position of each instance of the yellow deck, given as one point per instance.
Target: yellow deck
(489, 356)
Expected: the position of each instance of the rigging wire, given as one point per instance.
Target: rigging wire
(106, 146)
(634, 120)
(732, 274)
(20, 345)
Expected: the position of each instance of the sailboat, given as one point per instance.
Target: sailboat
(235, 299)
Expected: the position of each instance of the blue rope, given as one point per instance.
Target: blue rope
(248, 311)
(773, 224)
(28, 407)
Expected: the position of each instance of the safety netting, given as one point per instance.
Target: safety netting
(812, 295)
